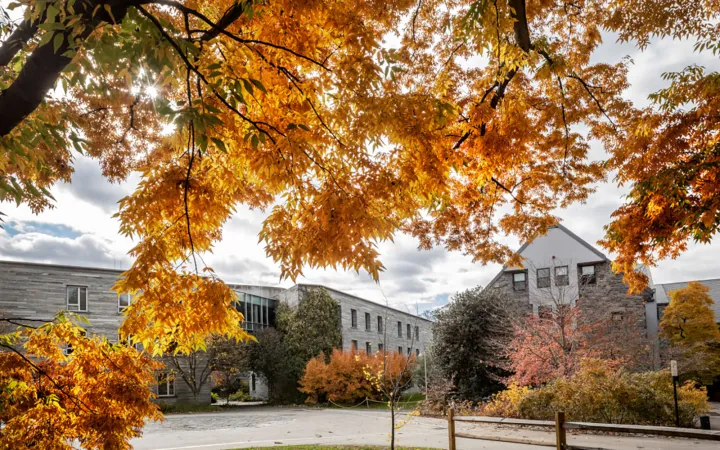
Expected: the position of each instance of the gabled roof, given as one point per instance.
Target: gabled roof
(567, 231)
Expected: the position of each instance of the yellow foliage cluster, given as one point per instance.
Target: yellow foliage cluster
(600, 392)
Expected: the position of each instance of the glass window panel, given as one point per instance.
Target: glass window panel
(72, 298)
(520, 276)
(588, 270)
(83, 298)
(560, 271)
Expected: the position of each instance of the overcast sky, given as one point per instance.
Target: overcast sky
(80, 230)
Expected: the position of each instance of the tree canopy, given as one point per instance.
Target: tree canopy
(353, 121)
(688, 324)
(470, 336)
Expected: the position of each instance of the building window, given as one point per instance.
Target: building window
(587, 275)
(67, 349)
(561, 276)
(543, 278)
(617, 317)
(368, 348)
(381, 347)
(253, 381)
(545, 312)
(417, 352)
(417, 332)
(368, 325)
(519, 281)
(77, 298)
(409, 332)
(124, 300)
(353, 345)
(399, 329)
(380, 324)
(166, 384)
(408, 351)
(353, 318)
(400, 350)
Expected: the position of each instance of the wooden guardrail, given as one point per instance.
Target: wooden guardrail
(560, 426)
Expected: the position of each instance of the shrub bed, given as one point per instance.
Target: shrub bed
(600, 393)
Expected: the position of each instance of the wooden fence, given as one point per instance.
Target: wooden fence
(560, 426)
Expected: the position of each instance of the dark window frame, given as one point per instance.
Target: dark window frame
(519, 285)
(353, 318)
(589, 278)
(379, 324)
(543, 281)
(562, 280)
(368, 322)
(368, 348)
(399, 329)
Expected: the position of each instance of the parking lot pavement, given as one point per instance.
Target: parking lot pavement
(269, 426)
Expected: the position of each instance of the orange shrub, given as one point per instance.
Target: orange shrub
(350, 377)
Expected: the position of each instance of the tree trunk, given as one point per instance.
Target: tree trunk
(43, 67)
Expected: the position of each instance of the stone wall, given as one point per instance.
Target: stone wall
(504, 283)
(609, 295)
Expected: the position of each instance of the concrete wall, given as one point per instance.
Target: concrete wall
(390, 316)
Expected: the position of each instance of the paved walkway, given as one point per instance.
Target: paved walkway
(269, 426)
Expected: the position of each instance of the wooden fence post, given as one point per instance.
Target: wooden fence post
(451, 428)
(560, 431)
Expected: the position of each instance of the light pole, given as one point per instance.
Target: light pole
(675, 378)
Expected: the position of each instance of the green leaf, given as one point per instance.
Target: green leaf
(258, 85)
(254, 141)
(58, 41)
(219, 144)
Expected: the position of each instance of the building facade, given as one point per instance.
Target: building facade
(370, 326)
(560, 268)
(40, 291)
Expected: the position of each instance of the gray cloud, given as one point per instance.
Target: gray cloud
(89, 184)
(83, 250)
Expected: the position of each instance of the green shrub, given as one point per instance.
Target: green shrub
(214, 398)
(600, 393)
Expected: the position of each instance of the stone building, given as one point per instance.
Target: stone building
(560, 268)
(39, 291)
(370, 326)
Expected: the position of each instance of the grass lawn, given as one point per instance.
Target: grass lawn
(338, 447)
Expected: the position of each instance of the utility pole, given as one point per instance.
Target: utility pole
(675, 378)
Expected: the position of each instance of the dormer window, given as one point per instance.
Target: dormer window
(519, 281)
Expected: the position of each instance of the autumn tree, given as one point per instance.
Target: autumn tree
(51, 375)
(688, 325)
(301, 106)
(469, 338)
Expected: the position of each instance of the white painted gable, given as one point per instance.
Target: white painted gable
(556, 246)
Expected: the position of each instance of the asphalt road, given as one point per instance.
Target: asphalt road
(269, 426)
